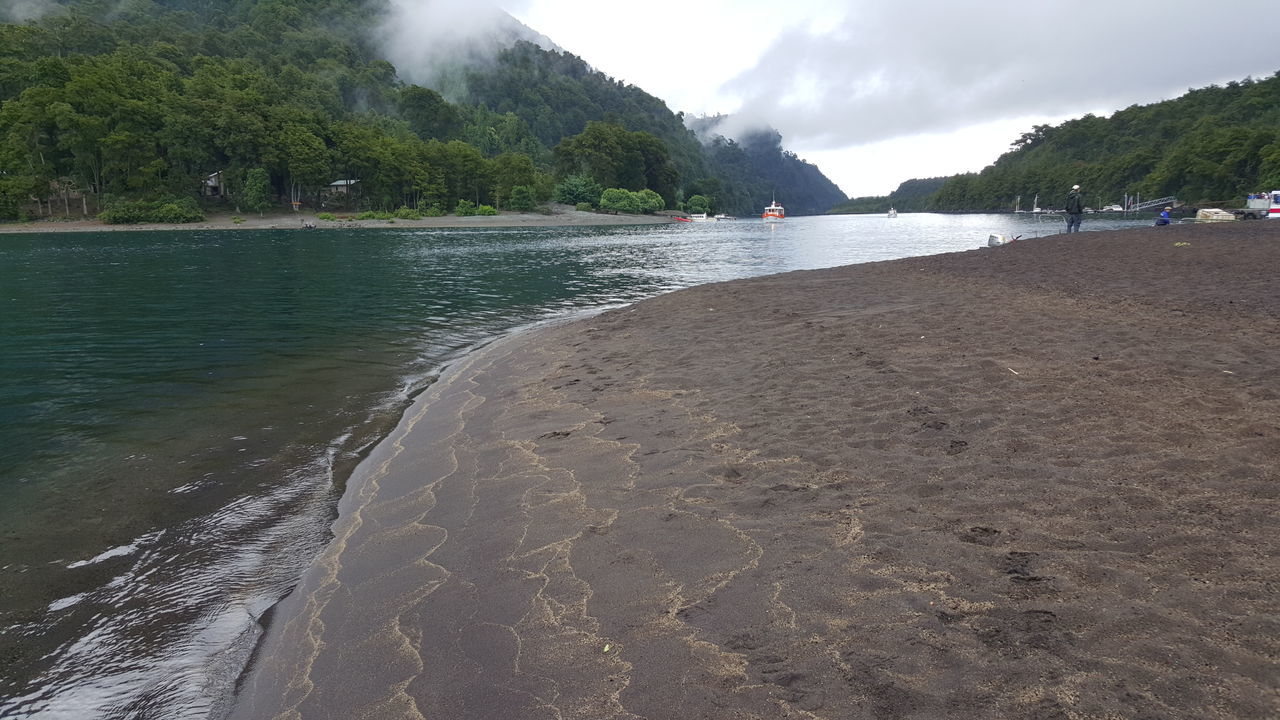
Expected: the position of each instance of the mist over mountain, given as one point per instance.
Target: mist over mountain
(771, 171)
(431, 43)
(416, 107)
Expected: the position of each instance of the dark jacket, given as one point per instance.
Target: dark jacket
(1075, 202)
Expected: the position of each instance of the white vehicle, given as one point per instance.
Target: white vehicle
(1262, 205)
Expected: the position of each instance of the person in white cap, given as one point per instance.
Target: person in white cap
(1075, 209)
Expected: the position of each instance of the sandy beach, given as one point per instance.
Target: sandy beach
(559, 215)
(1033, 481)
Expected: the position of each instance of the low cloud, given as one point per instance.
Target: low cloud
(890, 70)
(426, 38)
(18, 11)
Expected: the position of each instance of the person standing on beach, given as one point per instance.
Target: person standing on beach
(1075, 209)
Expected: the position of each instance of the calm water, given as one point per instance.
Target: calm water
(178, 411)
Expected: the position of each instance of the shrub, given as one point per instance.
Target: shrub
(465, 208)
(237, 219)
(375, 215)
(619, 200)
(326, 216)
(179, 211)
(435, 211)
(585, 207)
(698, 204)
(486, 210)
(650, 201)
(407, 213)
(126, 212)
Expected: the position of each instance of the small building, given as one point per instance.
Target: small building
(342, 187)
(213, 186)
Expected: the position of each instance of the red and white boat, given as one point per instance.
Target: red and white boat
(774, 213)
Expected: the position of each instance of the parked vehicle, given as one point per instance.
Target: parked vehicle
(1261, 205)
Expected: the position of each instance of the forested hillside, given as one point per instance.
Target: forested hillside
(754, 169)
(1211, 146)
(259, 103)
(911, 196)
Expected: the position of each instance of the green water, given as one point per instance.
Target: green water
(172, 402)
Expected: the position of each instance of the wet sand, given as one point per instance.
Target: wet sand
(1035, 481)
(560, 215)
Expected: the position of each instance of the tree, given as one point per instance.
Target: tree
(511, 170)
(306, 159)
(697, 204)
(428, 114)
(522, 199)
(578, 188)
(614, 157)
(650, 201)
(619, 200)
(256, 194)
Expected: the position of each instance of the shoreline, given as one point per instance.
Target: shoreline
(561, 215)
(1028, 480)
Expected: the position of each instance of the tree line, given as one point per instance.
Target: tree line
(1211, 146)
(155, 101)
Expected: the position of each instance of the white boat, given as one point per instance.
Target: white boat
(893, 213)
(722, 216)
(774, 213)
(701, 217)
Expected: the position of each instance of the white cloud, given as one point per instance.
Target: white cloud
(19, 11)
(422, 37)
(896, 69)
(879, 91)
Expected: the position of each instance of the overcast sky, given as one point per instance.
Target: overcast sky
(879, 91)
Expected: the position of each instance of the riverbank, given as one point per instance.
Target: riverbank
(559, 215)
(1037, 480)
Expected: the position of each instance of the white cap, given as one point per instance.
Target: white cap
(1075, 187)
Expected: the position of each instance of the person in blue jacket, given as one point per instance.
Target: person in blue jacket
(1163, 218)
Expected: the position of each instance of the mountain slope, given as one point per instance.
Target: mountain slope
(1213, 144)
(145, 99)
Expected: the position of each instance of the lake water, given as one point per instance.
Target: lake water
(179, 411)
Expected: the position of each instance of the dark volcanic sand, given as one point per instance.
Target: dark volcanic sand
(1036, 481)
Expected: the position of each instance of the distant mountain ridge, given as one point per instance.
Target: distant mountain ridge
(557, 94)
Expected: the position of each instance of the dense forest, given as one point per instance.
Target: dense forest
(1211, 146)
(130, 107)
(911, 196)
(754, 169)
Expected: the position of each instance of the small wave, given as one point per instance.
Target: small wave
(114, 552)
